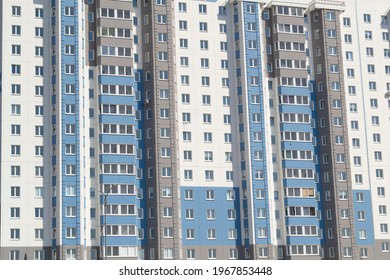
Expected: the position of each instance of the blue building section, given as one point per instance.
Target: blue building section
(363, 217)
(120, 166)
(208, 216)
(72, 225)
(299, 167)
(256, 126)
(139, 105)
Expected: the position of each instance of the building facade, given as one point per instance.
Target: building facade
(254, 130)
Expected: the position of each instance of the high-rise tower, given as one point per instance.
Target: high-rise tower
(156, 129)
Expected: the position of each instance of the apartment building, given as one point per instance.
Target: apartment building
(156, 129)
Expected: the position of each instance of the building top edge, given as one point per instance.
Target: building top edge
(326, 4)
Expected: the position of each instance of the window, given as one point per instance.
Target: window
(38, 70)
(349, 55)
(15, 150)
(351, 90)
(254, 81)
(167, 212)
(379, 173)
(14, 234)
(229, 175)
(70, 232)
(375, 120)
(206, 117)
(15, 89)
(15, 49)
(331, 33)
(252, 44)
(371, 69)
(16, 11)
(15, 69)
(70, 190)
(38, 233)
(383, 228)
(221, 10)
(361, 216)
(367, 18)
(374, 103)
(70, 169)
(182, 7)
(211, 233)
(15, 212)
(350, 73)
(209, 175)
(187, 174)
(69, 129)
(355, 142)
(346, 21)
(224, 64)
(357, 161)
(182, 24)
(15, 109)
(185, 80)
(183, 43)
(204, 44)
(230, 195)
(39, 171)
(69, 69)
(15, 129)
(209, 195)
(382, 210)
(38, 12)
(385, 246)
(186, 135)
(376, 138)
(167, 192)
(353, 107)
(348, 38)
(162, 19)
(210, 214)
(370, 51)
(207, 137)
(38, 31)
(354, 125)
(16, 30)
(368, 35)
(335, 86)
(223, 46)
(251, 26)
(188, 194)
(359, 197)
(166, 172)
(205, 81)
(231, 214)
(334, 68)
(208, 156)
(163, 75)
(69, 11)
(69, 30)
(386, 53)
(385, 36)
(378, 155)
(38, 212)
(204, 62)
(202, 9)
(189, 213)
(190, 234)
(203, 26)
